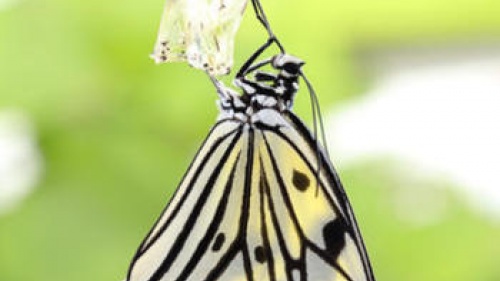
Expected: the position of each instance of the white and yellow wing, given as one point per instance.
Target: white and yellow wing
(186, 232)
(312, 220)
(251, 208)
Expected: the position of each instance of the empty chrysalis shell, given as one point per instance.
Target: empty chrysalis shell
(200, 32)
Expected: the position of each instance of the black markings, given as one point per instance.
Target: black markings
(334, 234)
(300, 180)
(219, 241)
(260, 254)
(182, 237)
(216, 43)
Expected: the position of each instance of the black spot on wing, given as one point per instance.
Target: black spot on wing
(261, 254)
(219, 241)
(300, 180)
(334, 234)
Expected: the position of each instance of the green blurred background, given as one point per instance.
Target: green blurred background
(116, 132)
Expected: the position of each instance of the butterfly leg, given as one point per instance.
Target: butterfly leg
(261, 16)
(247, 66)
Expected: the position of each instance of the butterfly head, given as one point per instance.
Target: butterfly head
(265, 90)
(288, 65)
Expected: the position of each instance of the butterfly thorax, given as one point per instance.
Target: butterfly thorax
(263, 93)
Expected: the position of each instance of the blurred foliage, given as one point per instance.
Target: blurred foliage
(117, 132)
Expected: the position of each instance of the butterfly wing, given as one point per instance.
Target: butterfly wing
(313, 221)
(251, 207)
(188, 225)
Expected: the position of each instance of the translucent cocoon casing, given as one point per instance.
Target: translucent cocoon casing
(200, 32)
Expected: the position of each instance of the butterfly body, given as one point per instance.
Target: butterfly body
(260, 201)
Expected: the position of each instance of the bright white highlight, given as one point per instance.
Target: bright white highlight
(443, 117)
(7, 4)
(20, 160)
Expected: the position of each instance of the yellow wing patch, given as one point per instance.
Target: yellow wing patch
(310, 219)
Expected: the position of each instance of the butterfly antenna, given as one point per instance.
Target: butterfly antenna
(317, 119)
(315, 100)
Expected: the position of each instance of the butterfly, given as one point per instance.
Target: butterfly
(261, 200)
